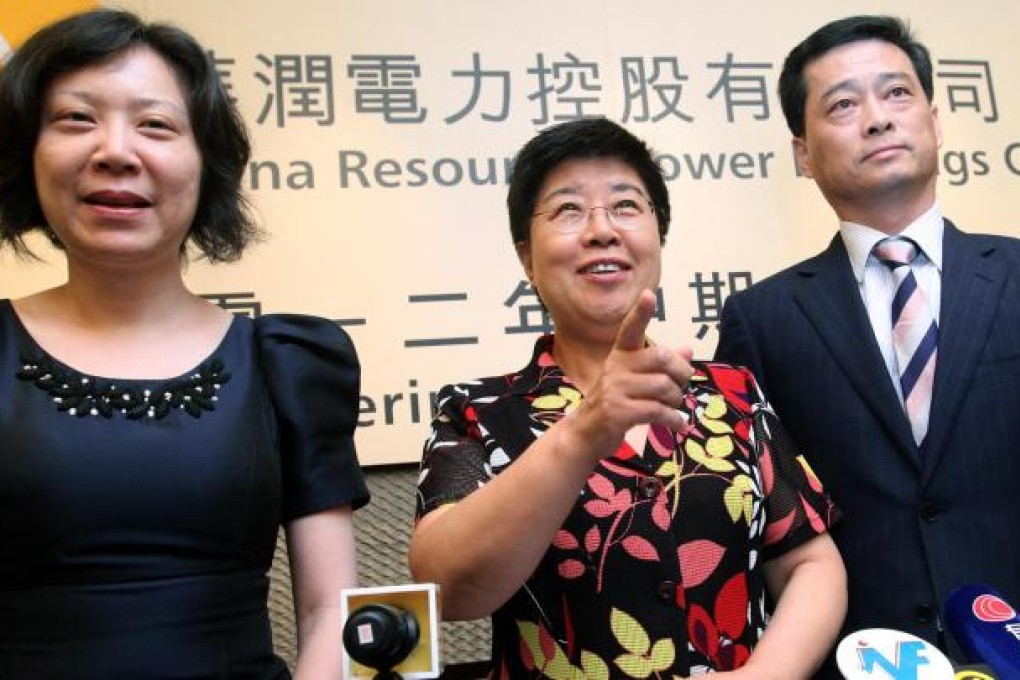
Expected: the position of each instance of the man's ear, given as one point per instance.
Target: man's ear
(800, 153)
(938, 125)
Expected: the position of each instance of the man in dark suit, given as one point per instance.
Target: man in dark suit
(900, 380)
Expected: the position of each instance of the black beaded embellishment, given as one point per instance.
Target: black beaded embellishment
(80, 395)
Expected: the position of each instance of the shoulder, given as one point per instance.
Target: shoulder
(302, 333)
(783, 281)
(309, 352)
(972, 238)
(540, 374)
(980, 247)
(736, 384)
(299, 325)
(9, 328)
(479, 392)
(991, 242)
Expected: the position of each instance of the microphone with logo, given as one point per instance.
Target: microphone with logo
(391, 632)
(986, 627)
(885, 654)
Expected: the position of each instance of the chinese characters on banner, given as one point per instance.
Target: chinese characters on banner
(383, 138)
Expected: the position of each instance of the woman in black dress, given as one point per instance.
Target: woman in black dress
(152, 443)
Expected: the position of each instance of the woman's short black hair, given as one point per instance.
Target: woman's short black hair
(793, 87)
(223, 224)
(587, 138)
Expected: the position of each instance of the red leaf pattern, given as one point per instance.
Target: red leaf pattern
(640, 548)
(599, 508)
(564, 540)
(592, 539)
(571, 569)
(602, 487)
(660, 513)
(778, 528)
(768, 474)
(731, 607)
(701, 631)
(698, 560)
(547, 643)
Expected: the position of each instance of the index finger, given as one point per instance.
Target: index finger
(631, 335)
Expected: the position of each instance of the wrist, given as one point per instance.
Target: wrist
(580, 443)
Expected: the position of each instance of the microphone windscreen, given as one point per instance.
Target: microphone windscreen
(391, 628)
(380, 636)
(882, 653)
(986, 627)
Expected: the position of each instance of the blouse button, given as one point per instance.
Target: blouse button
(667, 592)
(648, 487)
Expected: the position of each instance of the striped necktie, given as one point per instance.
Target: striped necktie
(914, 333)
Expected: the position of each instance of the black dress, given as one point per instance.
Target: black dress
(138, 518)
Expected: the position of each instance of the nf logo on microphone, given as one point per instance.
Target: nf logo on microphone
(881, 654)
(991, 609)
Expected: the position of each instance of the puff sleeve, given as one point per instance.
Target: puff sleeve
(313, 377)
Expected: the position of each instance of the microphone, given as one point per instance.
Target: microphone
(391, 632)
(884, 654)
(986, 627)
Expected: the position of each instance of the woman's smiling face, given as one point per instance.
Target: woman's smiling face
(117, 168)
(590, 266)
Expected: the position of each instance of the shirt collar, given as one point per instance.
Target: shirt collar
(925, 231)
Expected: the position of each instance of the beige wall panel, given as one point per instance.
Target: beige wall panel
(359, 252)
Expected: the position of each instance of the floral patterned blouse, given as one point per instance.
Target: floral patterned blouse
(656, 572)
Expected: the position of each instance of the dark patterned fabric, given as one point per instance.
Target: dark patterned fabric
(657, 569)
(137, 541)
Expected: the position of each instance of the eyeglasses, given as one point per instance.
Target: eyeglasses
(571, 217)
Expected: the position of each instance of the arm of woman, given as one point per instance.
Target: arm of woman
(481, 549)
(322, 562)
(809, 585)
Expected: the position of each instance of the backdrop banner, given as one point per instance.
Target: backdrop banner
(384, 133)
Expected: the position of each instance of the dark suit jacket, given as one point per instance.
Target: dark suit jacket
(917, 523)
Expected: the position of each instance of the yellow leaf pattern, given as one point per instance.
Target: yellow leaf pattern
(739, 498)
(698, 453)
(668, 469)
(560, 667)
(663, 654)
(594, 667)
(634, 666)
(719, 447)
(529, 633)
(629, 633)
(716, 426)
(566, 399)
(715, 406)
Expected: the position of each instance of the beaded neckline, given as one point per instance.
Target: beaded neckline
(81, 395)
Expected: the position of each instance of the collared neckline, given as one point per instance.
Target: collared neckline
(926, 231)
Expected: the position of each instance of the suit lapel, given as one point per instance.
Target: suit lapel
(829, 296)
(972, 281)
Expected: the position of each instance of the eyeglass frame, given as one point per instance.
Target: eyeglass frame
(589, 210)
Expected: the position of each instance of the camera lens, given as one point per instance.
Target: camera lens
(380, 636)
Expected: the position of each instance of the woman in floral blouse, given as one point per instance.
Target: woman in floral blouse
(617, 508)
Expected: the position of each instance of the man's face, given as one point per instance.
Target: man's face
(871, 136)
